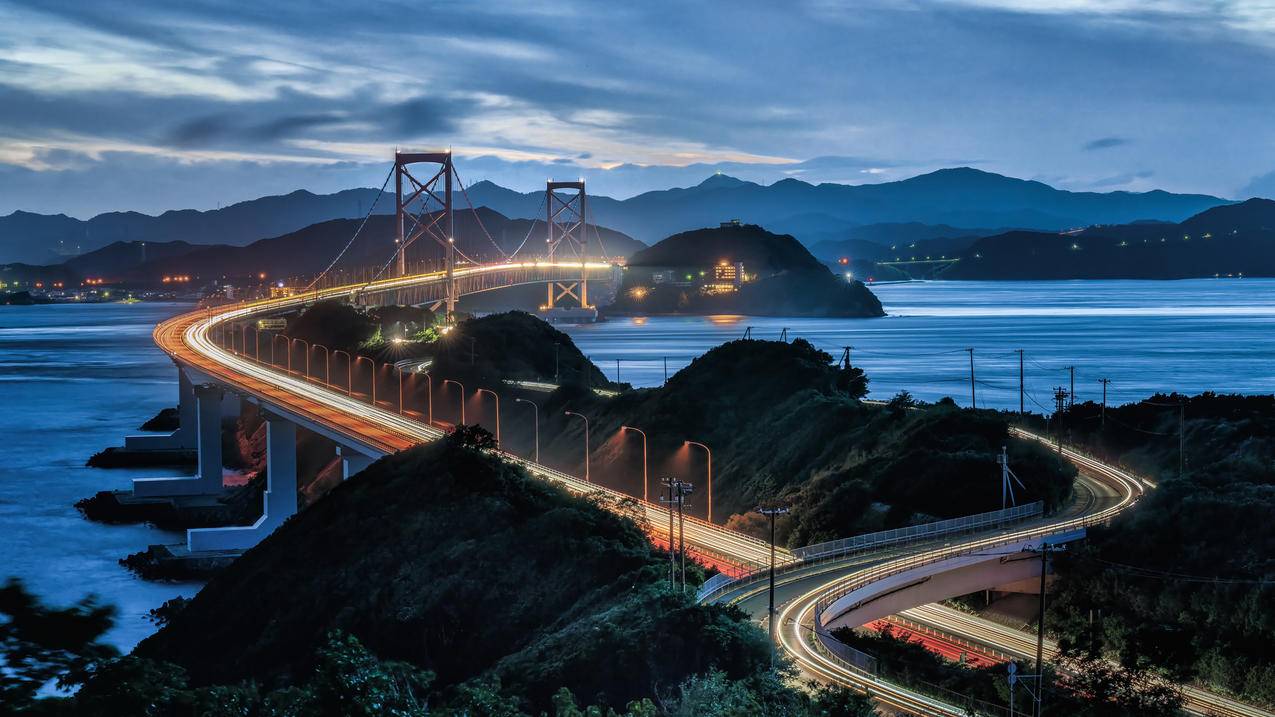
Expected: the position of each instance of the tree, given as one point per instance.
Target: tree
(40, 645)
(1108, 690)
(472, 436)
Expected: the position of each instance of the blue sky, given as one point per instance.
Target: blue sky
(151, 105)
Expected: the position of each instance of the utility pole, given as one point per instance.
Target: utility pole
(1105, 382)
(1022, 386)
(772, 513)
(677, 492)
(973, 399)
(783, 335)
(748, 332)
(1045, 550)
(1060, 401)
(472, 341)
(556, 378)
(617, 370)
(845, 358)
(666, 369)
(1071, 400)
(672, 555)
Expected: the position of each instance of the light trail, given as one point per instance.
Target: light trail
(187, 338)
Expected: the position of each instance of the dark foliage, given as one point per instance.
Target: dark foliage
(40, 645)
(1177, 583)
(512, 345)
(784, 422)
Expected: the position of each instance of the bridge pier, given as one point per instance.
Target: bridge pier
(279, 501)
(352, 462)
(207, 429)
(182, 439)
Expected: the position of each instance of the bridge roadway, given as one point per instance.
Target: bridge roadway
(379, 432)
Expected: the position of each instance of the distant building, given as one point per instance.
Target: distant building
(731, 223)
(727, 277)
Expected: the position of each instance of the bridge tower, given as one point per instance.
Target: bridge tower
(565, 220)
(437, 225)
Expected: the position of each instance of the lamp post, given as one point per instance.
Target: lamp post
(327, 363)
(400, 390)
(586, 441)
(536, 414)
(429, 382)
(772, 513)
(365, 358)
(644, 479)
(709, 451)
(349, 370)
(306, 344)
(462, 398)
(497, 397)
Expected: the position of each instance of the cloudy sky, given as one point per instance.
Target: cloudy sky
(151, 105)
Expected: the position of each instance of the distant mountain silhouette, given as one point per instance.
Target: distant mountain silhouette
(49, 239)
(1227, 240)
(960, 197)
(309, 250)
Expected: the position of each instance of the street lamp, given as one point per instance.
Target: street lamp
(497, 397)
(586, 441)
(536, 414)
(429, 382)
(349, 369)
(327, 363)
(462, 398)
(357, 359)
(709, 451)
(639, 430)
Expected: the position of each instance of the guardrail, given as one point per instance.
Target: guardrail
(846, 546)
(718, 585)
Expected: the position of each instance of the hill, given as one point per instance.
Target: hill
(520, 580)
(48, 239)
(1231, 240)
(309, 250)
(960, 197)
(737, 269)
(784, 422)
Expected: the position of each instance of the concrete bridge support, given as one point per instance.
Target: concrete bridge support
(182, 439)
(279, 502)
(352, 461)
(207, 430)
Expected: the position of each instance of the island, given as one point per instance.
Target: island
(737, 268)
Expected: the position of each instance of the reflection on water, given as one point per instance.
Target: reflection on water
(1145, 336)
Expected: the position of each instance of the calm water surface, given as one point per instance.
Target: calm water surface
(76, 378)
(1145, 336)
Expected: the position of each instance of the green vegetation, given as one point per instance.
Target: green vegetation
(388, 596)
(1184, 582)
(785, 423)
(784, 278)
(1080, 685)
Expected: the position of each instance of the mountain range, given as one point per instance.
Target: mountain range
(960, 197)
(309, 250)
(1230, 240)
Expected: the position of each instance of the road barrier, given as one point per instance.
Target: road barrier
(719, 585)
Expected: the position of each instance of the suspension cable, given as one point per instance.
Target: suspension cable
(362, 224)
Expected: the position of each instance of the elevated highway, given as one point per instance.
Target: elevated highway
(816, 594)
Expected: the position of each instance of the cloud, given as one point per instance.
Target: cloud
(1260, 186)
(1105, 143)
(1128, 179)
